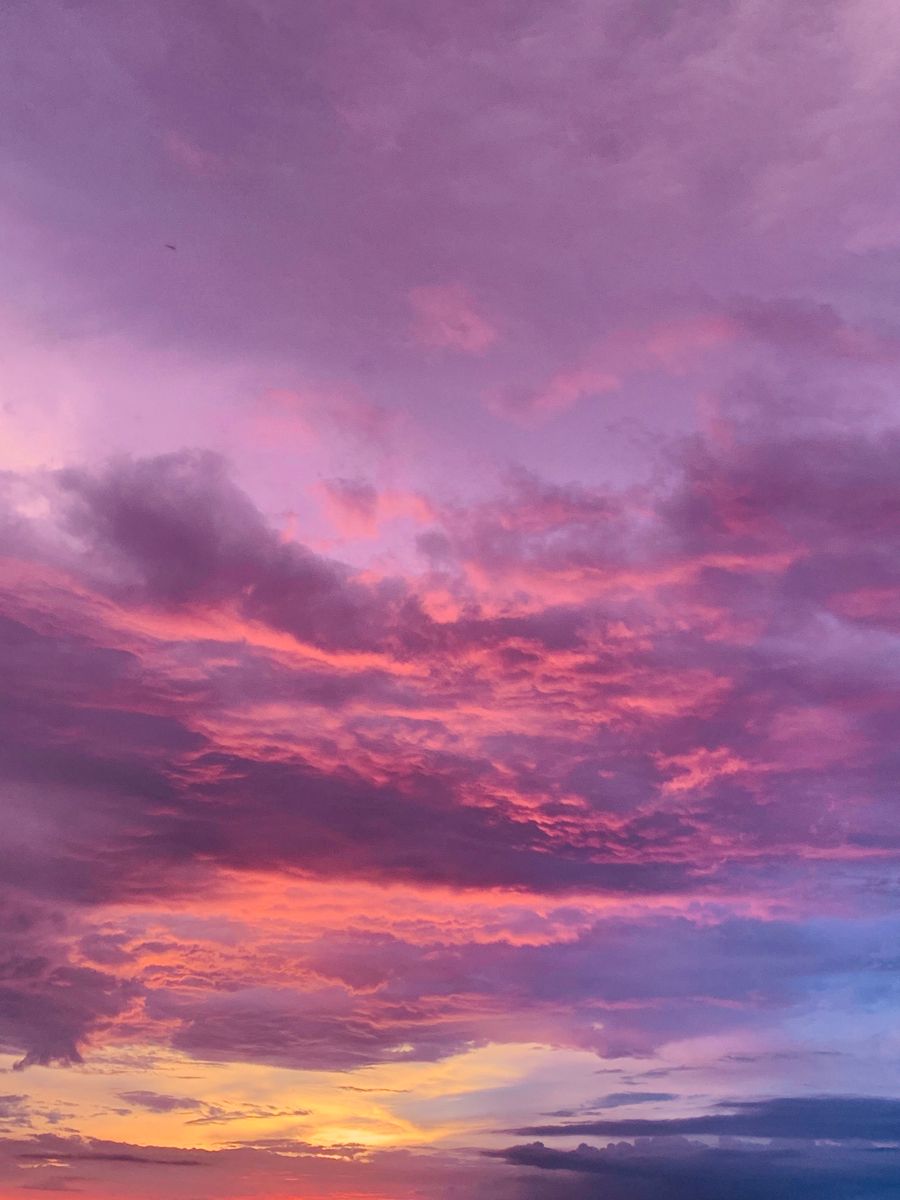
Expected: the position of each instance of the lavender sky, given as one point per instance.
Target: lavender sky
(450, 599)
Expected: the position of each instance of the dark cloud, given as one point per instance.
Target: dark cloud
(175, 531)
(158, 1102)
(12, 1106)
(101, 1156)
(832, 1118)
(216, 1115)
(817, 329)
(672, 1168)
(313, 1030)
(48, 1004)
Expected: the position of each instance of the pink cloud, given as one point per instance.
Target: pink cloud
(352, 506)
(445, 315)
(672, 347)
(359, 510)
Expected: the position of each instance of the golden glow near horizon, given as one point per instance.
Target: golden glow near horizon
(213, 1105)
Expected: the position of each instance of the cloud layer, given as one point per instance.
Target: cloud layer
(449, 591)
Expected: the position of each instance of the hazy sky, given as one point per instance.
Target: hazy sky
(450, 599)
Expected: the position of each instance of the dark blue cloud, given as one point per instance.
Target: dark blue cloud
(672, 1168)
(832, 1118)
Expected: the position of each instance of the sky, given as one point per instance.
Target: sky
(449, 599)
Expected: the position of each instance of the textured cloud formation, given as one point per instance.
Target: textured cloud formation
(48, 1004)
(705, 666)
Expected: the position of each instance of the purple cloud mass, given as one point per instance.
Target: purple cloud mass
(449, 598)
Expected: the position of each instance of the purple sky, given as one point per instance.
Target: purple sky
(450, 599)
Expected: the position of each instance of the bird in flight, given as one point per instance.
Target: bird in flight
(169, 246)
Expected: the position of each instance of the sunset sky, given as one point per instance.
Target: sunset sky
(450, 599)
